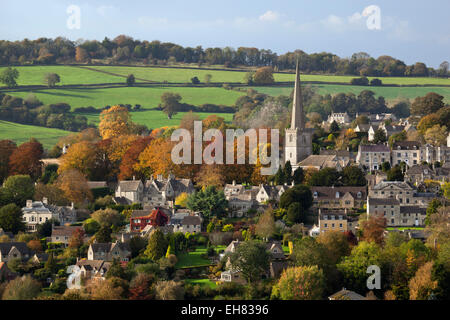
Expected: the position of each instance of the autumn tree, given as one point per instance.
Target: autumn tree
(210, 175)
(181, 200)
(169, 290)
(26, 159)
(141, 287)
(436, 135)
(300, 283)
(77, 238)
(81, 157)
(104, 290)
(22, 288)
(336, 243)
(156, 158)
(81, 54)
(52, 192)
(428, 104)
(114, 122)
(373, 229)
(265, 227)
(107, 217)
(74, 185)
(422, 285)
(263, 75)
(130, 159)
(7, 148)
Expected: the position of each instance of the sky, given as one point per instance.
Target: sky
(411, 31)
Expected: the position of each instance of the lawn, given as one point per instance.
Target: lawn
(146, 97)
(34, 75)
(404, 228)
(194, 258)
(21, 133)
(389, 93)
(157, 119)
(202, 282)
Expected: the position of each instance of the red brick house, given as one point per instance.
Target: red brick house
(141, 218)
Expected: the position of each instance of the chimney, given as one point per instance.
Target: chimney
(234, 182)
(72, 206)
(45, 200)
(134, 178)
(29, 203)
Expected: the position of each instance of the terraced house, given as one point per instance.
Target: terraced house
(333, 198)
(407, 152)
(372, 156)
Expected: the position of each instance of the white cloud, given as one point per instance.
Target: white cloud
(269, 16)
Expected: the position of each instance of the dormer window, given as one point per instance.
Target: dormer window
(359, 194)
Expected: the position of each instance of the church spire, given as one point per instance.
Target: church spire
(297, 120)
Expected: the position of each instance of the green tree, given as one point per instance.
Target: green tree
(137, 244)
(91, 226)
(18, 189)
(295, 213)
(170, 103)
(11, 218)
(298, 176)
(251, 258)
(279, 177)
(287, 170)
(209, 201)
(395, 174)
(299, 193)
(428, 104)
(45, 229)
(300, 283)
(353, 176)
(334, 127)
(51, 79)
(354, 267)
(157, 245)
(103, 235)
(130, 80)
(325, 177)
(379, 136)
(51, 264)
(9, 77)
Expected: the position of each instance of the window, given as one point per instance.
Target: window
(359, 195)
(337, 195)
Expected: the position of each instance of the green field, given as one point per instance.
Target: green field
(69, 75)
(33, 75)
(146, 97)
(21, 133)
(157, 119)
(390, 93)
(202, 282)
(194, 258)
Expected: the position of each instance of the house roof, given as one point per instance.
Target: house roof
(419, 169)
(191, 220)
(413, 209)
(406, 145)
(321, 161)
(129, 186)
(5, 247)
(386, 184)
(140, 213)
(383, 201)
(97, 184)
(346, 295)
(330, 192)
(64, 230)
(374, 148)
(101, 247)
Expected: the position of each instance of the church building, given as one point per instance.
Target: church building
(298, 139)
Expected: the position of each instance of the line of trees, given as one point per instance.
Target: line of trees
(123, 49)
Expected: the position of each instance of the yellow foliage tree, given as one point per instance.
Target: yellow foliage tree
(181, 200)
(114, 122)
(74, 185)
(119, 146)
(80, 156)
(156, 158)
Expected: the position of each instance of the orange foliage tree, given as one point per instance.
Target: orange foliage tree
(130, 158)
(26, 159)
(74, 185)
(80, 156)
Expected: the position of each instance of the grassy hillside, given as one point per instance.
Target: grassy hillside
(146, 97)
(69, 75)
(21, 133)
(156, 119)
(82, 75)
(389, 93)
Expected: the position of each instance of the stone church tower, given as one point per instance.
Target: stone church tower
(298, 139)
